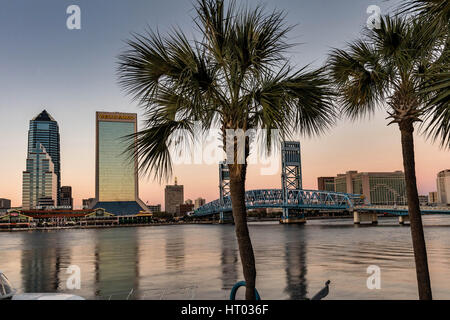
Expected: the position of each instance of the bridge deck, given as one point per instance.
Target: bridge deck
(402, 210)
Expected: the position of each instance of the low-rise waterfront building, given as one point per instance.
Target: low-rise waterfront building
(12, 220)
(58, 218)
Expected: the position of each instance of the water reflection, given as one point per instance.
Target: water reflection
(295, 255)
(42, 265)
(228, 258)
(175, 249)
(116, 264)
(291, 260)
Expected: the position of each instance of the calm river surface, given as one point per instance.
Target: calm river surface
(202, 261)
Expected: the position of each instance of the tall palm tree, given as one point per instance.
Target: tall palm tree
(237, 77)
(387, 68)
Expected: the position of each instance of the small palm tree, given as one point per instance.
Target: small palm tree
(388, 68)
(236, 77)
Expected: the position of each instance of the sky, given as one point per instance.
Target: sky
(72, 74)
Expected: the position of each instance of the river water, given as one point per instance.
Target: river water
(202, 261)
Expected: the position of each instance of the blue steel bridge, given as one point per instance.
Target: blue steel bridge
(294, 201)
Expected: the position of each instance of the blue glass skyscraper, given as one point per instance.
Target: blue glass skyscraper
(44, 130)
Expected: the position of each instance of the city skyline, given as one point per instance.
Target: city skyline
(75, 77)
(223, 150)
(209, 194)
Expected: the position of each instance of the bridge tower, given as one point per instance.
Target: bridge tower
(291, 178)
(224, 187)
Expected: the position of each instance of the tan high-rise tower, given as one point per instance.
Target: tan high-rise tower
(116, 183)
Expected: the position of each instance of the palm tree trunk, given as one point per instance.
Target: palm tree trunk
(418, 239)
(237, 190)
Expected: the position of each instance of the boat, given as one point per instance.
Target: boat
(6, 289)
(46, 296)
(7, 292)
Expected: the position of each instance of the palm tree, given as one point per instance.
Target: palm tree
(387, 68)
(236, 77)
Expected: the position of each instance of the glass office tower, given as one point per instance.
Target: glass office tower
(117, 188)
(44, 130)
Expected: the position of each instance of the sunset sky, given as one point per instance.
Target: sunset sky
(72, 74)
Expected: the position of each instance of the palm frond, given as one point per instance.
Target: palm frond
(152, 146)
(360, 78)
(434, 9)
(438, 121)
(294, 103)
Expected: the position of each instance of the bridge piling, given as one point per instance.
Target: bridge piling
(292, 217)
(293, 221)
(356, 217)
(359, 217)
(403, 219)
(226, 218)
(374, 218)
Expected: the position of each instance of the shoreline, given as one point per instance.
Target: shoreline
(102, 227)
(158, 224)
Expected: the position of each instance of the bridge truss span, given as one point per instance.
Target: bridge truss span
(295, 199)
